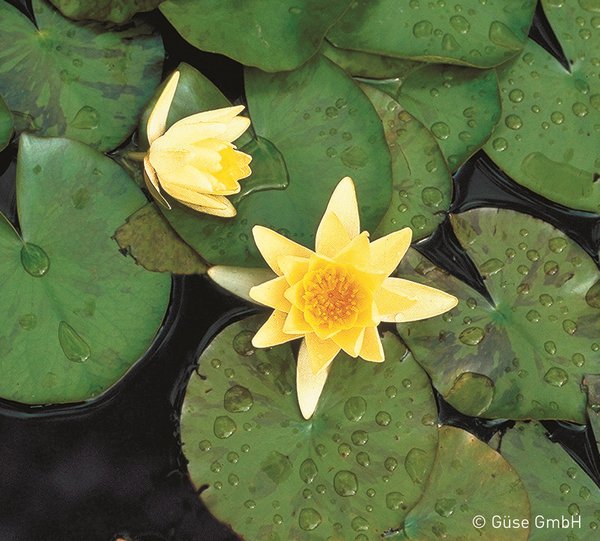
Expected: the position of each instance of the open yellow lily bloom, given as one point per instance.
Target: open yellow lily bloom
(195, 161)
(334, 297)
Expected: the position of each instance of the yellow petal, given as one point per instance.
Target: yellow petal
(293, 268)
(220, 116)
(295, 322)
(332, 236)
(271, 333)
(271, 294)
(343, 203)
(429, 301)
(350, 340)
(356, 253)
(272, 246)
(239, 280)
(371, 349)
(151, 180)
(389, 303)
(321, 352)
(227, 210)
(187, 196)
(387, 251)
(157, 121)
(308, 385)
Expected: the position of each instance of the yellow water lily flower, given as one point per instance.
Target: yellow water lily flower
(335, 296)
(195, 161)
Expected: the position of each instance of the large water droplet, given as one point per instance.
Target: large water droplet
(460, 24)
(34, 260)
(556, 376)
(28, 321)
(237, 399)
(74, 347)
(359, 524)
(363, 459)
(383, 418)
(422, 29)
(359, 437)
(440, 130)
(416, 464)
(503, 36)
(345, 483)
(471, 336)
(491, 267)
(355, 408)
(86, 118)
(308, 470)
(432, 197)
(242, 343)
(390, 463)
(394, 501)
(472, 393)
(592, 297)
(309, 519)
(224, 427)
(445, 507)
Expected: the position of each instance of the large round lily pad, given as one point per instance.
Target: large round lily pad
(80, 81)
(273, 35)
(314, 126)
(422, 186)
(469, 481)
(472, 33)
(116, 11)
(6, 125)
(523, 353)
(564, 500)
(76, 313)
(547, 139)
(350, 472)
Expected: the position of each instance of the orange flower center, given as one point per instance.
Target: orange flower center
(332, 298)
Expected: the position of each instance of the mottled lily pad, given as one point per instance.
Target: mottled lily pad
(422, 186)
(350, 472)
(547, 139)
(6, 125)
(313, 126)
(523, 353)
(116, 11)
(475, 33)
(80, 81)
(153, 243)
(273, 35)
(468, 481)
(77, 314)
(564, 503)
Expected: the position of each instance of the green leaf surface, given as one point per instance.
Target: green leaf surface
(84, 82)
(524, 354)
(564, 500)
(547, 140)
(474, 33)
(6, 125)
(315, 126)
(468, 480)
(116, 11)
(153, 243)
(459, 105)
(350, 472)
(422, 186)
(273, 35)
(77, 314)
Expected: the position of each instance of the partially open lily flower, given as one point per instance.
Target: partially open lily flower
(335, 297)
(195, 161)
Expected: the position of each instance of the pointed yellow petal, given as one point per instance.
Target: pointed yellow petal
(308, 385)
(321, 352)
(357, 253)
(239, 280)
(152, 183)
(157, 121)
(295, 322)
(343, 203)
(387, 251)
(226, 210)
(185, 196)
(332, 236)
(272, 246)
(429, 301)
(350, 340)
(371, 349)
(271, 294)
(217, 116)
(271, 333)
(293, 268)
(391, 302)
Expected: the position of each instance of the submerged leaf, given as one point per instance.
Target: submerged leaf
(116, 11)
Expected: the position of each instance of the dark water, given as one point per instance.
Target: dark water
(114, 467)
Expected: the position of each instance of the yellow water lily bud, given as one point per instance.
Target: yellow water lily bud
(195, 160)
(335, 296)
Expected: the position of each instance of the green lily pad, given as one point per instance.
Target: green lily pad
(468, 481)
(460, 106)
(473, 34)
(422, 186)
(6, 125)
(350, 472)
(547, 141)
(273, 35)
(524, 353)
(77, 314)
(314, 126)
(82, 81)
(361, 64)
(564, 505)
(116, 11)
(153, 243)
